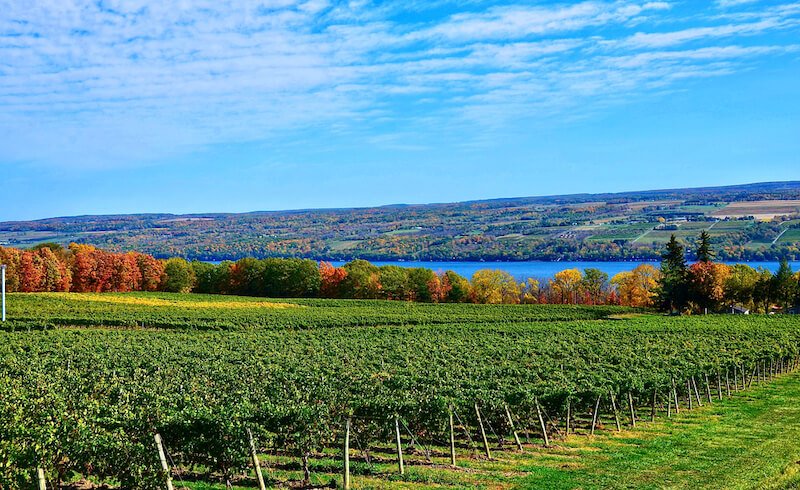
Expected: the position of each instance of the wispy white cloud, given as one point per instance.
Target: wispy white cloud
(734, 3)
(137, 81)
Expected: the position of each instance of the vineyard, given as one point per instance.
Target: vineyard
(87, 381)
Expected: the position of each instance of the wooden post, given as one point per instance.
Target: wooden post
(675, 395)
(616, 412)
(513, 430)
(719, 385)
(541, 423)
(696, 392)
(735, 379)
(653, 406)
(727, 382)
(40, 476)
(346, 456)
(256, 463)
(452, 440)
(633, 410)
(669, 405)
(399, 444)
(483, 433)
(689, 393)
(708, 389)
(594, 416)
(569, 414)
(163, 458)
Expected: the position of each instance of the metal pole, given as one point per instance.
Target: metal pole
(3, 281)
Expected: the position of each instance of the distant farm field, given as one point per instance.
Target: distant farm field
(790, 236)
(759, 209)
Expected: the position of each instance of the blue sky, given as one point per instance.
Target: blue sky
(121, 106)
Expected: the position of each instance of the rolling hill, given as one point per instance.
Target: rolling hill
(747, 222)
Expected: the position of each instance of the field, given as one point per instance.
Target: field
(86, 380)
(759, 209)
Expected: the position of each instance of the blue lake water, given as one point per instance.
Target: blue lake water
(542, 270)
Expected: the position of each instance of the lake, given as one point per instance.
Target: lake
(542, 270)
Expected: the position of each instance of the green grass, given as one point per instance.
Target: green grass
(620, 232)
(791, 236)
(732, 225)
(744, 442)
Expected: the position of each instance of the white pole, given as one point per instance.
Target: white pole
(3, 281)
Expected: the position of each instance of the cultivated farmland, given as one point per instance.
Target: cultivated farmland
(86, 381)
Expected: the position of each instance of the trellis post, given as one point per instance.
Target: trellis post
(452, 440)
(256, 463)
(346, 456)
(541, 423)
(40, 476)
(483, 433)
(399, 443)
(513, 430)
(162, 456)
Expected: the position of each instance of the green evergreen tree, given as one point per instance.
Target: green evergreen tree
(704, 252)
(784, 286)
(673, 288)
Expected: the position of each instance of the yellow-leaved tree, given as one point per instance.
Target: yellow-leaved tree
(637, 287)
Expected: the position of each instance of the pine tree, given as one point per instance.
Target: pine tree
(783, 285)
(704, 252)
(673, 290)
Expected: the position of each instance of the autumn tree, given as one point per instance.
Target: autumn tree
(492, 286)
(10, 257)
(741, 285)
(55, 275)
(566, 286)
(151, 271)
(457, 288)
(594, 286)
(424, 285)
(331, 280)
(636, 288)
(362, 281)
(178, 276)
(764, 290)
(531, 291)
(707, 285)
(247, 276)
(84, 268)
(31, 272)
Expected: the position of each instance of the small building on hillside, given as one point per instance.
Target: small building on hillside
(739, 310)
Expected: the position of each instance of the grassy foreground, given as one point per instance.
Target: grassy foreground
(749, 441)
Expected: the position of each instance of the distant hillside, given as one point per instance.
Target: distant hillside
(747, 222)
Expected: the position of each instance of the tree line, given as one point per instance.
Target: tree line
(704, 286)
(84, 268)
(708, 286)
